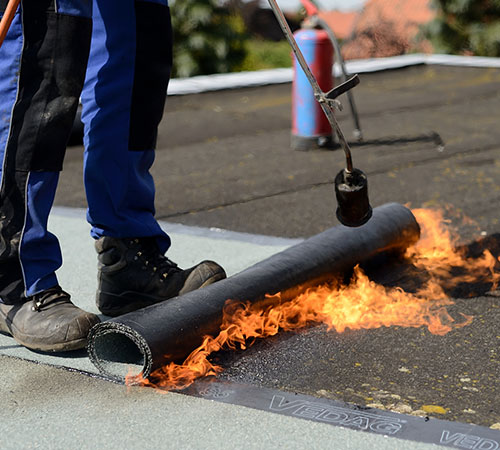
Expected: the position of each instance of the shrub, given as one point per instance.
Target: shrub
(208, 38)
(466, 27)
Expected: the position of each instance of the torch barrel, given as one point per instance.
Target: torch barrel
(141, 341)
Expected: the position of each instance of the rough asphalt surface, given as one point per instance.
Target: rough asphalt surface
(224, 161)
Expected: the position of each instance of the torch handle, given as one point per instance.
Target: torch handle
(7, 18)
(318, 93)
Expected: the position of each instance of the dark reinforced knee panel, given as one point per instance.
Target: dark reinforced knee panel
(153, 65)
(51, 75)
(48, 76)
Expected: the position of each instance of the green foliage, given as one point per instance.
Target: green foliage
(466, 27)
(263, 54)
(208, 38)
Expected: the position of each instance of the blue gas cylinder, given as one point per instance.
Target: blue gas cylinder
(310, 127)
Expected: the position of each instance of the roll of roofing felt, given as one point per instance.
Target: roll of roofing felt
(141, 341)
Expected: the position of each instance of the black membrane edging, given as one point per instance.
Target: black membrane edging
(337, 413)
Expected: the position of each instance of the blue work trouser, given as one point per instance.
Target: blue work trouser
(117, 51)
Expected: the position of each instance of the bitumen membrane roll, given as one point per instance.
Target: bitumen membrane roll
(141, 341)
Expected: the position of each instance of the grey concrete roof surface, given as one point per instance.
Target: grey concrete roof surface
(59, 401)
(49, 408)
(224, 162)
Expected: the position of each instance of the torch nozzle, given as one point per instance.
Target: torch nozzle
(351, 190)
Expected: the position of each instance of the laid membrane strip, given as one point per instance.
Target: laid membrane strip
(337, 413)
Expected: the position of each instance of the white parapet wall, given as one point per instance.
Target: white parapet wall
(216, 82)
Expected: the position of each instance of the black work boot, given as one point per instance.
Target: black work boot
(134, 274)
(47, 322)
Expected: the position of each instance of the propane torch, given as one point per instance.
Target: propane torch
(351, 185)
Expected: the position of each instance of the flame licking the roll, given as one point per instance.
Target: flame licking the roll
(361, 303)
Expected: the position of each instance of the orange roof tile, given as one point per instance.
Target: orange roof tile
(342, 23)
(387, 28)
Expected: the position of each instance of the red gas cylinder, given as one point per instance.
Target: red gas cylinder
(310, 127)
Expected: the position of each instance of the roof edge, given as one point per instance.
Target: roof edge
(216, 82)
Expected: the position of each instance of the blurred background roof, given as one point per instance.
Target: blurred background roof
(340, 5)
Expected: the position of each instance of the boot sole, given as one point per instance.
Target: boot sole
(26, 340)
(134, 300)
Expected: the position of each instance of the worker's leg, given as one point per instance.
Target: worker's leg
(43, 65)
(123, 101)
(43, 62)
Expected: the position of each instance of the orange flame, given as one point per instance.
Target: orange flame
(437, 253)
(360, 304)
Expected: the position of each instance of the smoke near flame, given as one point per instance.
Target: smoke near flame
(361, 303)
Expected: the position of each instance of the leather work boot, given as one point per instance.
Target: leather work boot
(134, 274)
(47, 322)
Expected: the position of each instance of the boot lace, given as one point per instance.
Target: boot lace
(152, 258)
(43, 299)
